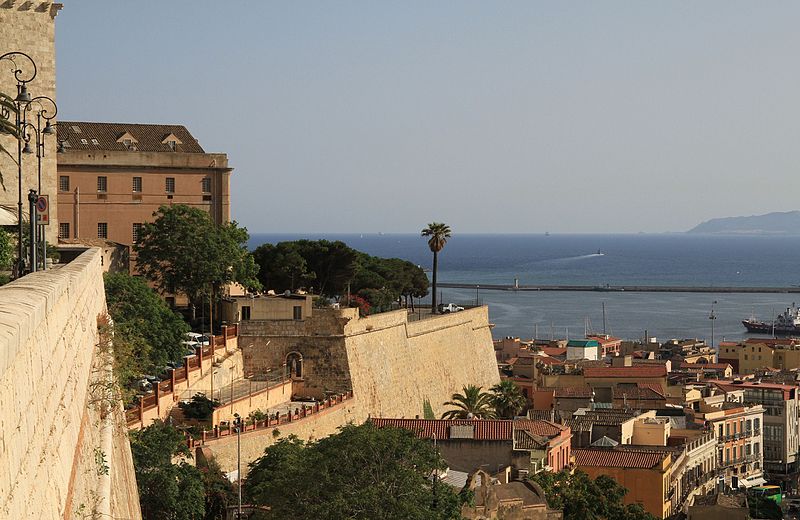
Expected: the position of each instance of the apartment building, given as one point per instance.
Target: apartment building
(739, 436)
(112, 177)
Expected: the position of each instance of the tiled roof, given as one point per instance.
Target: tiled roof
(631, 372)
(545, 360)
(554, 351)
(637, 393)
(483, 429)
(525, 440)
(82, 135)
(575, 392)
(613, 458)
(705, 366)
(655, 387)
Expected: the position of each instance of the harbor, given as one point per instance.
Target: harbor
(623, 288)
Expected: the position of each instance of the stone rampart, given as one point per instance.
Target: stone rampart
(391, 365)
(60, 455)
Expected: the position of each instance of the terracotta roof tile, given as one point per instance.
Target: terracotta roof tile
(575, 392)
(484, 429)
(631, 372)
(613, 458)
(82, 135)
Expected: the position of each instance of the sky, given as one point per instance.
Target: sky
(494, 117)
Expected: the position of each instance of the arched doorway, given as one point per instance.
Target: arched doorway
(294, 365)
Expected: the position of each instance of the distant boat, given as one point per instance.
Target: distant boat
(547, 233)
(600, 253)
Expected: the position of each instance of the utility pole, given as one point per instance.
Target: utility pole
(237, 422)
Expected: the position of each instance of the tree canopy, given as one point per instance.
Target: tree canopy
(166, 490)
(183, 251)
(362, 472)
(330, 267)
(472, 403)
(582, 498)
(507, 399)
(141, 316)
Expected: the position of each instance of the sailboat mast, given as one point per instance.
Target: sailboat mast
(604, 318)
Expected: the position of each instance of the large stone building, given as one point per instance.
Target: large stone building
(28, 27)
(112, 177)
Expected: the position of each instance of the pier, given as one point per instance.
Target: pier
(620, 288)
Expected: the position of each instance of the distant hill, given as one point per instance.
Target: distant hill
(779, 223)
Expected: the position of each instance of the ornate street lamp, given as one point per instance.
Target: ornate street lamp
(24, 70)
(45, 109)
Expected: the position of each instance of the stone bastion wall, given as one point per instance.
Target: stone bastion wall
(64, 452)
(391, 364)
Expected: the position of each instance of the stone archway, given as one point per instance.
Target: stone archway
(294, 365)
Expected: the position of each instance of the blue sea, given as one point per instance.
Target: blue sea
(643, 259)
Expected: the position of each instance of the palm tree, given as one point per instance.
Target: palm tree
(507, 399)
(438, 233)
(472, 403)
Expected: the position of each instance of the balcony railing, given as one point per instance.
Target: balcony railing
(740, 435)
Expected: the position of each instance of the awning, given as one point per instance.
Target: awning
(751, 482)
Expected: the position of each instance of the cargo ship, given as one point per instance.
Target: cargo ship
(784, 324)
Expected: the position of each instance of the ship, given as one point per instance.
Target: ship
(785, 323)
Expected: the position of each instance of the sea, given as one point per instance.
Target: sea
(674, 259)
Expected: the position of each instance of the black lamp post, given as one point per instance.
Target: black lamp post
(24, 70)
(46, 109)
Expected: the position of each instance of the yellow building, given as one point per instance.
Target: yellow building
(753, 354)
(645, 474)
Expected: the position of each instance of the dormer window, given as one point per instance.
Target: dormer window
(128, 141)
(95, 142)
(84, 141)
(172, 141)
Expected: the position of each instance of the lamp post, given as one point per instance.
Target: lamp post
(22, 76)
(46, 109)
(237, 423)
(713, 318)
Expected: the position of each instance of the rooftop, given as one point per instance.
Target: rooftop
(615, 458)
(483, 429)
(629, 372)
(126, 137)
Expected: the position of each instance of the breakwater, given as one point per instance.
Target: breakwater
(622, 288)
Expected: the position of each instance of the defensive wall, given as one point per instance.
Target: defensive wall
(63, 448)
(389, 365)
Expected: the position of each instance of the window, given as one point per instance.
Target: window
(206, 185)
(757, 423)
(137, 184)
(169, 185)
(63, 183)
(63, 230)
(137, 229)
(297, 312)
(245, 312)
(173, 145)
(84, 141)
(102, 184)
(95, 142)
(102, 230)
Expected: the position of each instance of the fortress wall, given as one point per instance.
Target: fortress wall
(396, 365)
(49, 436)
(393, 367)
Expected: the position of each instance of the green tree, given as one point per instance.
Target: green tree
(362, 472)
(437, 234)
(140, 315)
(183, 251)
(282, 267)
(6, 250)
(472, 403)
(507, 399)
(219, 492)
(199, 407)
(166, 490)
(582, 498)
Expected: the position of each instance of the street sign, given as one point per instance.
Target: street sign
(43, 210)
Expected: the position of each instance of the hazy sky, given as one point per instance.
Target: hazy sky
(491, 116)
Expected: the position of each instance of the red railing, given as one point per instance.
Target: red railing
(181, 374)
(272, 421)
